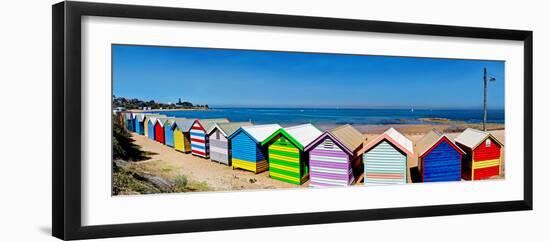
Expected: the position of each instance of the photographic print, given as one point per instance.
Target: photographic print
(188, 119)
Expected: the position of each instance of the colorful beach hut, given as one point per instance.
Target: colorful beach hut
(333, 156)
(287, 160)
(169, 131)
(439, 159)
(182, 137)
(385, 158)
(128, 121)
(149, 125)
(199, 137)
(483, 154)
(246, 151)
(159, 129)
(139, 119)
(220, 147)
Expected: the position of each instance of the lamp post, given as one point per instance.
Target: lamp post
(485, 97)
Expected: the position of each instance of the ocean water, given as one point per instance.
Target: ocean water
(330, 117)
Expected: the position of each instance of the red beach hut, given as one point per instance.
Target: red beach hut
(159, 130)
(483, 154)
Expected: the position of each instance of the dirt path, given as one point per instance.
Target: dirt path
(169, 163)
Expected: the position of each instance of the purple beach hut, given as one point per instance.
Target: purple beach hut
(334, 155)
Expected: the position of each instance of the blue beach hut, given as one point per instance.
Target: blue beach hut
(246, 150)
(439, 159)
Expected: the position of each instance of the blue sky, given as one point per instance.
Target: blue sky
(224, 78)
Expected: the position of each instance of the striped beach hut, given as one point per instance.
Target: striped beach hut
(385, 158)
(199, 137)
(182, 137)
(159, 129)
(287, 160)
(333, 156)
(220, 147)
(438, 158)
(246, 151)
(483, 154)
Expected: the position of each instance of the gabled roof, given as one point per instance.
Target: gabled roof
(471, 138)
(394, 137)
(162, 120)
(171, 121)
(208, 124)
(184, 125)
(258, 132)
(300, 135)
(347, 135)
(154, 118)
(429, 140)
(228, 128)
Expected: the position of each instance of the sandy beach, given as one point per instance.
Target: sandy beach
(169, 163)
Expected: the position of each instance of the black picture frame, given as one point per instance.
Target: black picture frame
(66, 127)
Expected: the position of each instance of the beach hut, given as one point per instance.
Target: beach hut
(199, 137)
(483, 154)
(169, 130)
(182, 137)
(333, 156)
(159, 129)
(285, 150)
(138, 123)
(128, 121)
(220, 147)
(246, 151)
(438, 158)
(385, 158)
(149, 125)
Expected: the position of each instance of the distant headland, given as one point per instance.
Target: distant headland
(123, 103)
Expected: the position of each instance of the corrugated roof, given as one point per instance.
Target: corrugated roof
(472, 138)
(348, 136)
(304, 134)
(229, 128)
(261, 132)
(154, 118)
(208, 124)
(427, 141)
(185, 125)
(173, 120)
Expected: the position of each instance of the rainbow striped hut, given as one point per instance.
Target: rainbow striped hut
(199, 138)
(333, 156)
(385, 158)
(246, 151)
(438, 158)
(287, 160)
(220, 147)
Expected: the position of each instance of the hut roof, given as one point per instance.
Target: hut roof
(229, 128)
(304, 134)
(259, 132)
(471, 138)
(155, 117)
(396, 138)
(163, 120)
(350, 137)
(300, 135)
(429, 140)
(173, 120)
(208, 124)
(184, 125)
